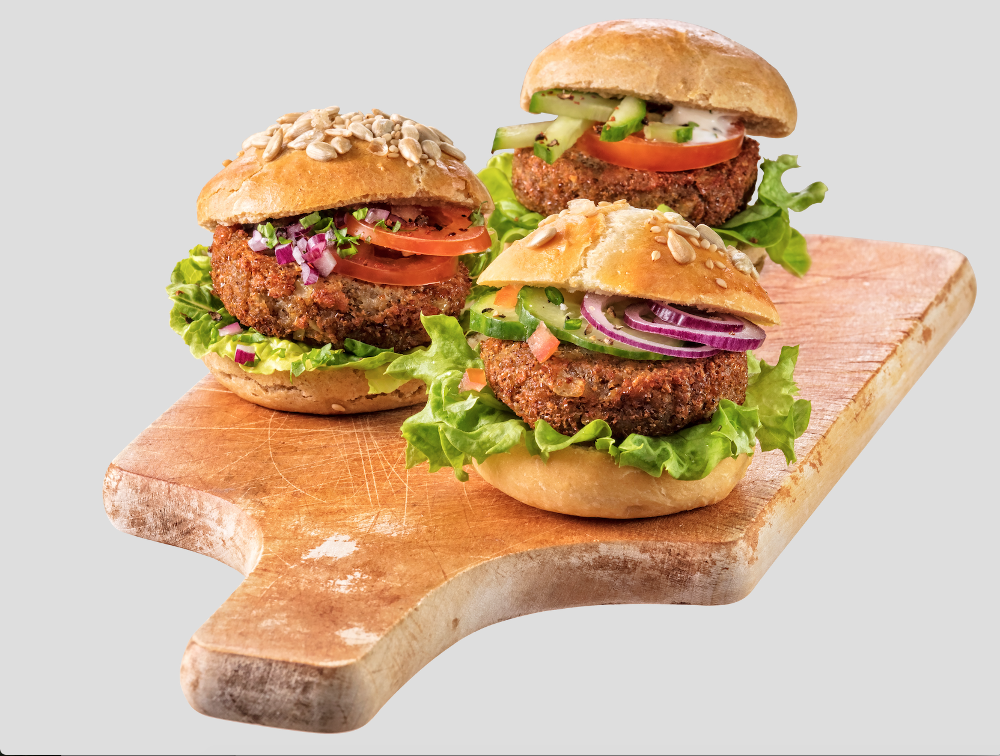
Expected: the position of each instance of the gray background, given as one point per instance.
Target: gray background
(873, 632)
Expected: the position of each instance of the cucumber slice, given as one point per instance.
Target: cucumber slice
(627, 119)
(513, 137)
(534, 307)
(669, 132)
(565, 102)
(559, 136)
(499, 322)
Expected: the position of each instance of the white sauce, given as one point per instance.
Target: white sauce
(712, 125)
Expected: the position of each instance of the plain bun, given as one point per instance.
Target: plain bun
(666, 61)
(249, 190)
(342, 391)
(586, 482)
(612, 250)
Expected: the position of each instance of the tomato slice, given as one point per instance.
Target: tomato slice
(382, 266)
(448, 234)
(647, 155)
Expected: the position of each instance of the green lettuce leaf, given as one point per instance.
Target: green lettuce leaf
(510, 220)
(197, 315)
(765, 223)
(455, 427)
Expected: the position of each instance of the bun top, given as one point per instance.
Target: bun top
(619, 249)
(251, 189)
(666, 61)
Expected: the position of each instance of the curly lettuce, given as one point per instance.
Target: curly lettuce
(456, 427)
(765, 223)
(197, 315)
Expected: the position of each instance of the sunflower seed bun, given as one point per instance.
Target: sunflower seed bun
(587, 483)
(619, 249)
(265, 183)
(666, 62)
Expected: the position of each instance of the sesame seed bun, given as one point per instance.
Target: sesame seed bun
(666, 61)
(611, 251)
(249, 190)
(339, 391)
(587, 483)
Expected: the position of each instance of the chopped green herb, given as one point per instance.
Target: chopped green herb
(476, 216)
(360, 213)
(573, 324)
(310, 220)
(270, 237)
(554, 295)
(394, 229)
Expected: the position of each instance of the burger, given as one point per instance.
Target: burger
(608, 370)
(332, 234)
(659, 113)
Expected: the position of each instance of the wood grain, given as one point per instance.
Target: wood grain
(359, 572)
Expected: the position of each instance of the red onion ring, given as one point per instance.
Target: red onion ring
(593, 309)
(714, 322)
(642, 317)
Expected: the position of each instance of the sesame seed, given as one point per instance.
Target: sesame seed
(660, 239)
(655, 229)
(656, 254)
(721, 283)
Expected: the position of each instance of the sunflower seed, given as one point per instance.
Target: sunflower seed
(341, 144)
(256, 140)
(581, 206)
(410, 149)
(393, 149)
(541, 236)
(441, 137)
(321, 120)
(396, 118)
(289, 118)
(679, 247)
(431, 149)
(621, 201)
(225, 163)
(721, 283)
(686, 230)
(273, 148)
(381, 127)
(298, 128)
(300, 142)
(603, 203)
(338, 132)
(741, 262)
(450, 149)
(332, 111)
(377, 147)
(304, 118)
(393, 154)
(708, 233)
(427, 133)
(321, 151)
(360, 131)
(272, 128)
(411, 132)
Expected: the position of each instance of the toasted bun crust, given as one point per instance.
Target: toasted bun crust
(314, 392)
(248, 190)
(611, 252)
(587, 483)
(666, 61)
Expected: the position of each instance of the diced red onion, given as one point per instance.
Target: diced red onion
(294, 232)
(376, 214)
(315, 247)
(742, 337)
(231, 330)
(309, 276)
(707, 322)
(283, 254)
(257, 243)
(340, 219)
(325, 263)
(245, 354)
(302, 244)
(297, 255)
(594, 310)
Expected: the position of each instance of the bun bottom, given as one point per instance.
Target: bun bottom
(316, 392)
(587, 483)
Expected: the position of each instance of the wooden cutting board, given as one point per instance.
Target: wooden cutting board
(359, 572)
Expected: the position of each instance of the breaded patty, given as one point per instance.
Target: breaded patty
(710, 195)
(575, 386)
(272, 298)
